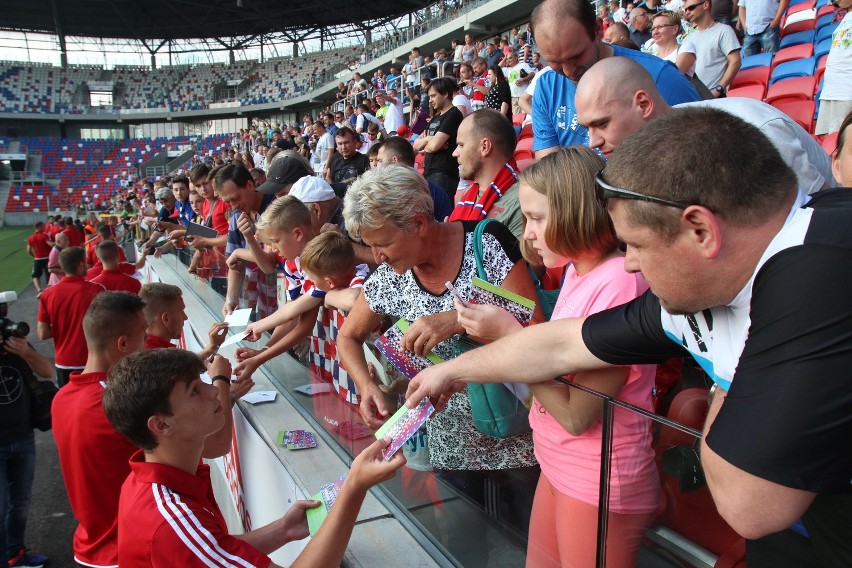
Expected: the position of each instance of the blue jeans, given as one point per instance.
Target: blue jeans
(17, 467)
(768, 39)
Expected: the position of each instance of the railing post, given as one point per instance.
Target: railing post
(603, 497)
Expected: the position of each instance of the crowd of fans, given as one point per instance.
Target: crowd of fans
(669, 227)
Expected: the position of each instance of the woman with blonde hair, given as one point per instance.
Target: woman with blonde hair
(566, 227)
(665, 30)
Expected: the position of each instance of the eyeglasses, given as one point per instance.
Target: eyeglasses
(655, 28)
(604, 191)
(689, 9)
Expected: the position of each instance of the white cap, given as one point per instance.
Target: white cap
(311, 189)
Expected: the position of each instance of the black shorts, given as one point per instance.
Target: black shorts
(39, 267)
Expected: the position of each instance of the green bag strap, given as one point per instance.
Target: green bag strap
(477, 248)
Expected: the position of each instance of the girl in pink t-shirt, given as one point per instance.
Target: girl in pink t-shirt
(565, 224)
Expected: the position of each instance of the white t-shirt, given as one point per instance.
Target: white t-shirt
(838, 66)
(513, 74)
(363, 119)
(393, 116)
(797, 148)
(686, 47)
(320, 155)
(712, 47)
(462, 101)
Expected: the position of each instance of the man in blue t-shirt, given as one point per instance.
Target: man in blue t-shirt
(567, 36)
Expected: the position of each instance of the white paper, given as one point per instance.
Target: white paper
(258, 397)
(234, 339)
(238, 318)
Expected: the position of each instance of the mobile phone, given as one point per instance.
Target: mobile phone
(455, 293)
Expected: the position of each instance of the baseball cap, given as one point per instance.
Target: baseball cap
(403, 131)
(311, 189)
(283, 172)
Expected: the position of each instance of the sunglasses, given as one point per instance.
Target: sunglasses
(604, 191)
(689, 9)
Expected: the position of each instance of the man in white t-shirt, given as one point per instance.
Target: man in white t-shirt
(617, 96)
(393, 116)
(717, 49)
(519, 74)
(324, 145)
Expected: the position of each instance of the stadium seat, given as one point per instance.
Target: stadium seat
(825, 32)
(829, 143)
(824, 9)
(524, 144)
(801, 51)
(524, 163)
(526, 132)
(797, 38)
(822, 3)
(759, 60)
(752, 76)
(518, 119)
(791, 20)
(800, 111)
(797, 68)
(823, 21)
(418, 162)
(756, 92)
(820, 70)
(798, 8)
(524, 154)
(800, 26)
(797, 2)
(797, 88)
(822, 48)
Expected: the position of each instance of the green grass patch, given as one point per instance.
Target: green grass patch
(15, 264)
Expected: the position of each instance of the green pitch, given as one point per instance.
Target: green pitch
(15, 264)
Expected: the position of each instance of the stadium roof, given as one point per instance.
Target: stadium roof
(184, 19)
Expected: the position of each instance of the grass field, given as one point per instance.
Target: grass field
(15, 264)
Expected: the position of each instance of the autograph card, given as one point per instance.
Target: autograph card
(409, 364)
(404, 424)
(296, 439)
(327, 495)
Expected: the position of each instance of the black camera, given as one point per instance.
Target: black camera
(9, 328)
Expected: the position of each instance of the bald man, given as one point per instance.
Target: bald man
(617, 97)
(567, 34)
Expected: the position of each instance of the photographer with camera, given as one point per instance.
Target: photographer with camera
(19, 363)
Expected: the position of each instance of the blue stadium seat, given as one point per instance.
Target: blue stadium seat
(798, 68)
(759, 60)
(822, 48)
(823, 21)
(796, 2)
(797, 39)
(821, 3)
(825, 32)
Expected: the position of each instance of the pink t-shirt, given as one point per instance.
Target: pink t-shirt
(572, 463)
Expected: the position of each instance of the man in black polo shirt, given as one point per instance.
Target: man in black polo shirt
(347, 163)
(439, 140)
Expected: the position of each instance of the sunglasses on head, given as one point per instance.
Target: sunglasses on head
(604, 191)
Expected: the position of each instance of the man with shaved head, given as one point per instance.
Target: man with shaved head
(616, 32)
(617, 97)
(566, 32)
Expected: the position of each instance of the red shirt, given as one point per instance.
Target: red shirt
(92, 257)
(75, 237)
(41, 248)
(167, 517)
(124, 268)
(63, 307)
(55, 230)
(94, 464)
(154, 342)
(219, 221)
(117, 281)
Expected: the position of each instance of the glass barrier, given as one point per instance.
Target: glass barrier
(656, 507)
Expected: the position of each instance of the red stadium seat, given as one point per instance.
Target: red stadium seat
(526, 132)
(800, 51)
(418, 162)
(820, 70)
(753, 76)
(519, 118)
(524, 144)
(829, 143)
(524, 153)
(798, 8)
(756, 92)
(797, 88)
(827, 9)
(800, 111)
(524, 163)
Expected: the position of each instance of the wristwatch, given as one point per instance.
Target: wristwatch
(719, 88)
